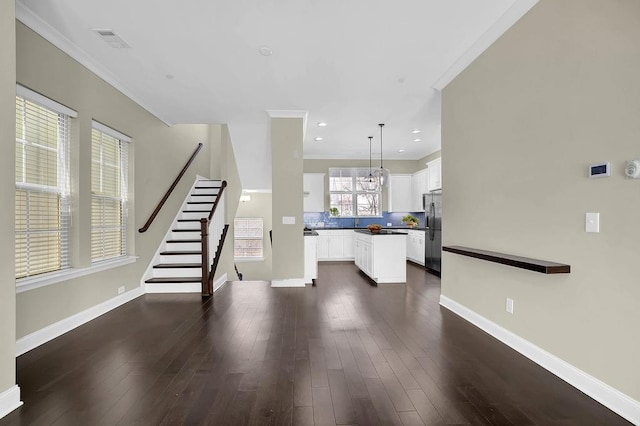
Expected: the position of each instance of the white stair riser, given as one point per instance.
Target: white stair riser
(190, 215)
(205, 191)
(183, 246)
(208, 198)
(195, 235)
(194, 226)
(212, 184)
(181, 258)
(176, 272)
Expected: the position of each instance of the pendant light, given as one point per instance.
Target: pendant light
(371, 184)
(382, 174)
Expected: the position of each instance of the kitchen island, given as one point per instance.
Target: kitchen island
(382, 255)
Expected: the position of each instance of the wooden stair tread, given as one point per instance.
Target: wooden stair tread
(178, 253)
(174, 280)
(200, 202)
(177, 265)
(183, 241)
(188, 220)
(186, 230)
(204, 195)
(196, 211)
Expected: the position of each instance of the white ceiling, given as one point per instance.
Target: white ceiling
(350, 63)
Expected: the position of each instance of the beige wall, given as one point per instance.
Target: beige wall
(422, 163)
(7, 188)
(559, 91)
(229, 172)
(287, 166)
(158, 152)
(259, 206)
(394, 166)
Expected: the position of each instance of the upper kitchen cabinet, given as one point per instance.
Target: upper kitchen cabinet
(400, 193)
(419, 186)
(435, 174)
(313, 191)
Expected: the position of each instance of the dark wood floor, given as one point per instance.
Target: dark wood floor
(343, 352)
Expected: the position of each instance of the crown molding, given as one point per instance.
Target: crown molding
(52, 35)
(510, 17)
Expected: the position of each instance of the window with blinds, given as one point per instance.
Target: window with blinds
(248, 238)
(42, 188)
(349, 194)
(109, 155)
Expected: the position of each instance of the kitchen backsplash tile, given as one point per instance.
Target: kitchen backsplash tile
(324, 219)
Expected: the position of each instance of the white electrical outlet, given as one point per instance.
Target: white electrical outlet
(120, 290)
(510, 305)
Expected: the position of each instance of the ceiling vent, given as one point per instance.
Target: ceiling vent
(112, 39)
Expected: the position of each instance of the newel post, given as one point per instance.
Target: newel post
(204, 232)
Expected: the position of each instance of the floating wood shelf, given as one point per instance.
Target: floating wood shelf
(536, 265)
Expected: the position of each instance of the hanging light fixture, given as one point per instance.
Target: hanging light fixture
(371, 183)
(382, 174)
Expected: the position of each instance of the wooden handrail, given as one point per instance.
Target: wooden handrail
(173, 185)
(215, 203)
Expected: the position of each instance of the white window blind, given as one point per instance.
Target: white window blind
(248, 238)
(348, 193)
(109, 156)
(42, 187)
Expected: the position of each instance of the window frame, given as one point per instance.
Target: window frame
(354, 173)
(62, 191)
(123, 171)
(237, 237)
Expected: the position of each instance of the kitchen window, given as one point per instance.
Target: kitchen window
(109, 158)
(347, 193)
(248, 238)
(42, 213)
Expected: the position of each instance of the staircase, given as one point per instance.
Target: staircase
(179, 265)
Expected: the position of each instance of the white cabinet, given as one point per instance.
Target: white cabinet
(310, 259)
(335, 244)
(400, 193)
(419, 186)
(435, 174)
(313, 192)
(348, 243)
(415, 246)
(323, 246)
(382, 257)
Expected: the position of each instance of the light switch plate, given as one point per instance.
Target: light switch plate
(288, 220)
(592, 222)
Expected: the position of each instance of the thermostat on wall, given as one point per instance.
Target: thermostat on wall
(600, 170)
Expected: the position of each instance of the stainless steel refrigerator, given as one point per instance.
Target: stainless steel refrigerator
(433, 241)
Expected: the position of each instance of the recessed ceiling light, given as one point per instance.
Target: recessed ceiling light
(265, 51)
(415, 131)
(318, 139)
(401, 150)
(417, 140)
(170, 76)
(322, 124)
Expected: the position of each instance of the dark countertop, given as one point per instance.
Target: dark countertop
(310, 233)
(382, 232)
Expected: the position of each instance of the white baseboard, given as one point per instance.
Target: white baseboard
(50, 332)
(219, 282)
(292, 282)
(9, 400)
(606, 395)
